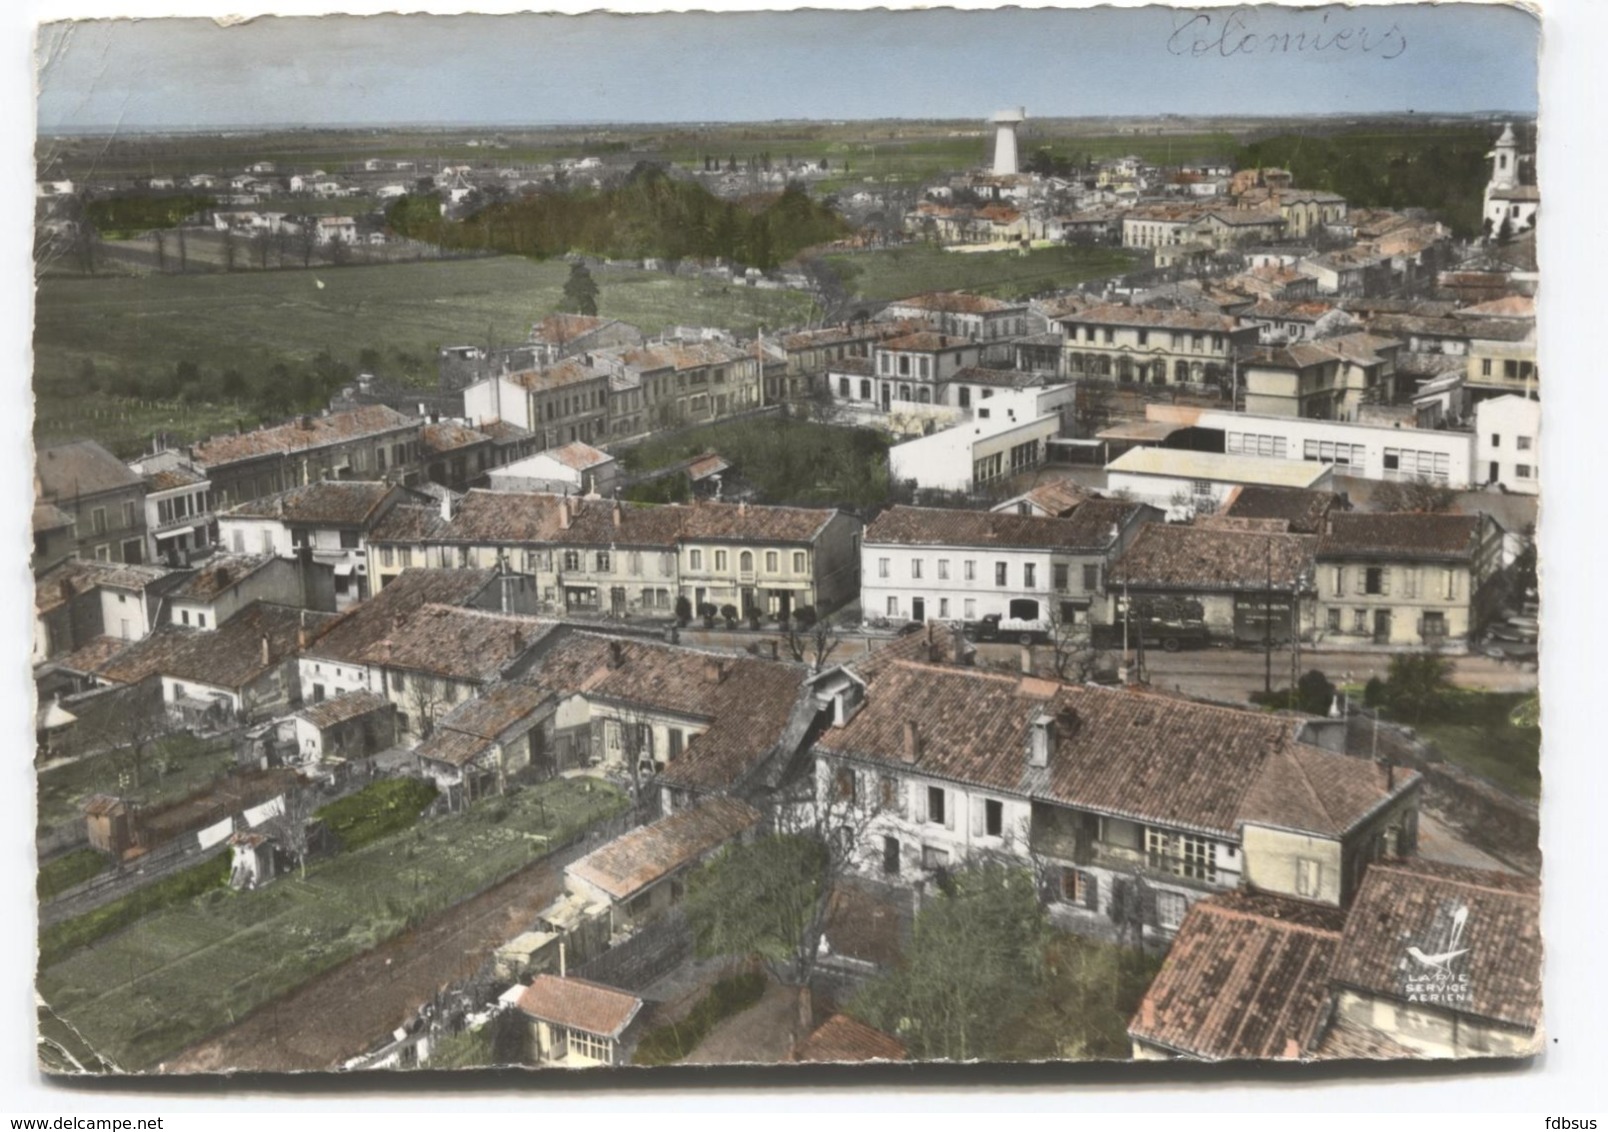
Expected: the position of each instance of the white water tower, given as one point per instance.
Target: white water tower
(1005, 123)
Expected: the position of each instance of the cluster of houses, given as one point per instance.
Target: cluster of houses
(469, 596)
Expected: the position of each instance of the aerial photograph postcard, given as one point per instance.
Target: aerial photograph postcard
(589, 541)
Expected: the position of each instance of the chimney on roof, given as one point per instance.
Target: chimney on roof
(957, 636)
(775, 650)
(564, 514)
(267, 653)
(616, 655)
(714, 670)
(617, 514)
(1027, 660)
(912, 742)
(446, 505)
(1041, 740)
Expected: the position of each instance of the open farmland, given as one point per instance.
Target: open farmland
(183, 973)
(249, 322)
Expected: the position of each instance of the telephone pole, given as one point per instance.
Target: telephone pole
(1267, 622)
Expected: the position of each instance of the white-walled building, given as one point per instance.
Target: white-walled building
(1008, 434)
(1376, 452)
(574, 469)
(1185, 484)
(921, 563)
(1507, 443)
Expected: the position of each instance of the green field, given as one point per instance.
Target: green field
(1474, 732)
(180, 974)
(68, 870)
(895, 273)
(801, 463)
(131, 328)
(172, 768)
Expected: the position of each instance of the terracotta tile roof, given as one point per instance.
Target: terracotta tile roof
(936, 526)
(702, 467)
(559, 375)
(349, 638)
(49, 517)
(959, 302)
(841, 1038)
(650, 853)
(1296, 355)
(494, 710)
(709, 519)
(318, 432)
(830, 336)
(168, 478)
(80, 467)
(1278, 310)
(504, 432)
(449, 436)
(410, 523)
(1127, 755)
(1409, 535)
(332, 502)
(579, 456)
(1240, 982)
(561, 328)
(1059, 497)
(350, 706)
(220, 575)
(1420, 904)
(681, 355)
(1164, 556)
(1508, 306)
(486, 517)
(579, 1004)
(1314, 791)
(1303, 510)
(750, 706)
(927, 341)
(78, 576)
(1114, 314)
(230, 656)
(855, 367)
(92, 655)
(454, 748)
(455, 643)
(935, 644)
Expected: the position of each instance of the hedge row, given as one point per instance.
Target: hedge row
(378, 810)
(60, 940)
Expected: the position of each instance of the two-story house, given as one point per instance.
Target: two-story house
(1325, 379)
(1248, 579)
(178, 507)
(561, 402)
(1408, 579)
(561, 335)
(768, 560)
(959, 314)
(228, 583)
(920, 563)
(1129, 806)
(680, 382)
(367, 443)
(910, 369)
(1154, 347)
(104, 498)
(328, 518)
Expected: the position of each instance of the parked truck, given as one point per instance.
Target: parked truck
(1025, 631)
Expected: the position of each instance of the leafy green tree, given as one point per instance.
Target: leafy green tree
(975, 962)
(1314, 693)
(766, 898)
(1417, 683)
(580, 291)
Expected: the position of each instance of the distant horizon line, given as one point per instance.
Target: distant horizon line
(113, 129)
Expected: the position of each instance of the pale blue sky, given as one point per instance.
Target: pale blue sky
(184, 73)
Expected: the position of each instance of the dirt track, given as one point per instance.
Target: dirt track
(342, 1012)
